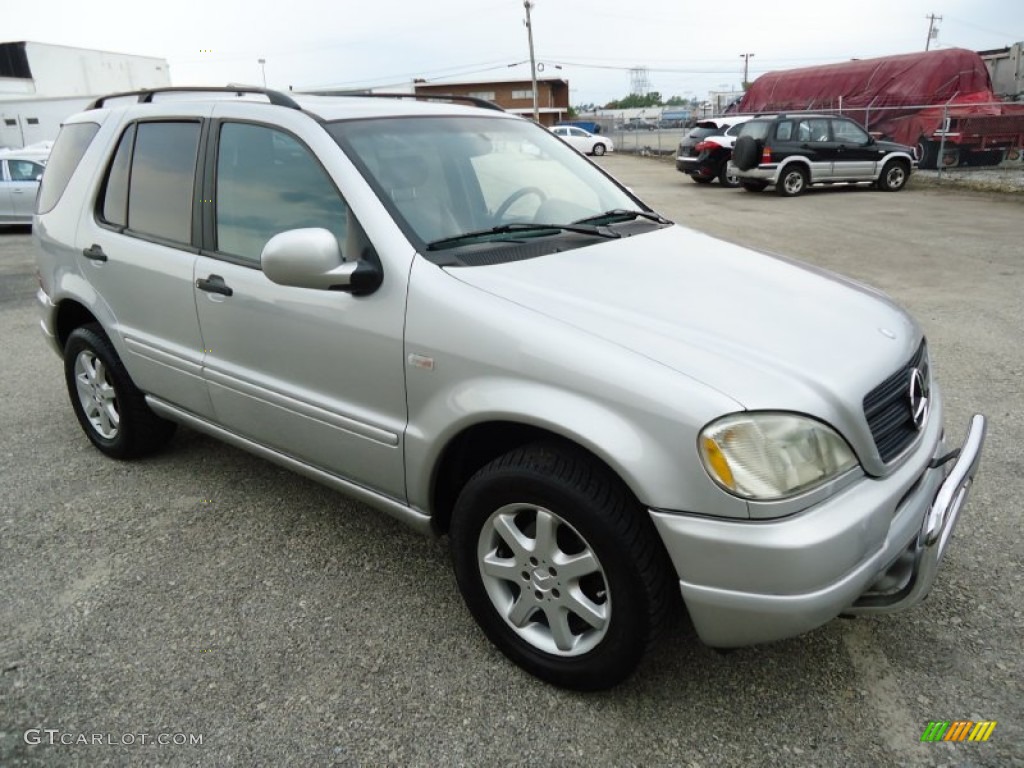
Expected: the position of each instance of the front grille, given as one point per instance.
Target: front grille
(887, 408)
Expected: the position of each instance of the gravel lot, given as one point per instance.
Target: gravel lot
(205, 592)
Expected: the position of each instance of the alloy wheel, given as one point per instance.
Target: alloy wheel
(544, 579)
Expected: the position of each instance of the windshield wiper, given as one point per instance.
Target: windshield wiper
(622, 214)
(521, 228)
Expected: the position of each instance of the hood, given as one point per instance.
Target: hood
(766, 331)
(892, 146)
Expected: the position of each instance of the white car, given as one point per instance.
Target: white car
(20, 172)
(584, 141)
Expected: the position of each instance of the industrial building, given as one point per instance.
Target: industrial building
(42, 84)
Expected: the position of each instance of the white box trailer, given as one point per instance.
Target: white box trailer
(42, 84)
(29, 121)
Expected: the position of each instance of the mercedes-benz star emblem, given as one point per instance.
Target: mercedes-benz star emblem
(919, 398)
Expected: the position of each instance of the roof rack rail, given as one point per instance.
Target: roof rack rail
(475, 101)
(146, 96)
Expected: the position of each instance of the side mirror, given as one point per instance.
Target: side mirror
(311, 258)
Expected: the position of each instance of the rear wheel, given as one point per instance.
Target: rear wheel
(560, 566)
(701, 179)
(727, 177)
(927, 153)
(792, 181)
(111, 410)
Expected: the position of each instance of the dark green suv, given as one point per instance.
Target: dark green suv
(791, 152)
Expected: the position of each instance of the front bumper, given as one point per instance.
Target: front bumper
(874, 547)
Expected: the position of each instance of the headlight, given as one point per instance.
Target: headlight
(768, 456)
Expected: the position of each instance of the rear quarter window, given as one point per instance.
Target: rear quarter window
(756, 128)
(72, 142)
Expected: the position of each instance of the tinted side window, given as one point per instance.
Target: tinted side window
(784, 131)
(72, 141)
(813, 129)
(849, 132)
(162, 180)
(267, 183)
(114, 208)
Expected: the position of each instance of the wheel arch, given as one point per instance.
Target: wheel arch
(70, 315)
(803, 162)
(477, 445)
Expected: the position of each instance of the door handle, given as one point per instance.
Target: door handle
(214, 284)
(94, 253)
(18, 191)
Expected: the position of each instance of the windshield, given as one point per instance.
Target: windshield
(701, 131)
(443, 177)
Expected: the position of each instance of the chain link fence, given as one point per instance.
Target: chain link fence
(949, 139)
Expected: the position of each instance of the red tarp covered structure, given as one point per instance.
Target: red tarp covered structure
(887, 94)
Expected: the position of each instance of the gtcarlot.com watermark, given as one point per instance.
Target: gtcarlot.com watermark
(54, 736)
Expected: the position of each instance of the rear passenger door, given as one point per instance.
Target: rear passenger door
(136, 249)
(814, 137)
(22, 181)
(316, 375)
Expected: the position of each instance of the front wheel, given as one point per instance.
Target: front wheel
(560, 566)
(894, 176)
(111, 410)
(599, 149)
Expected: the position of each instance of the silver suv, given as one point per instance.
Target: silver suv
(447, 313)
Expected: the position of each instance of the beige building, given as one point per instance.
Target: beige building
(512, 95)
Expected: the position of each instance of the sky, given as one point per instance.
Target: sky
(688, 48)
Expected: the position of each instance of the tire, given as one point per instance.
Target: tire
(546, 531)
(927, 154)
(746, 153)
(753, 186)
(792, 181)
(599, 149)
(727, 179)
(112, 411)
(894, 176)
(701, 179)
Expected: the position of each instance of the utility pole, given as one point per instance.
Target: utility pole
(932, 31)
(533, 62)
(746, 67)
(263, 69)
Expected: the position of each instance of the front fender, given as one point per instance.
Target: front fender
(481, 359)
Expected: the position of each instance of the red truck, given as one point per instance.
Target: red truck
(940, 102)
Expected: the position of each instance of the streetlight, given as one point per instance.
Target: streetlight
(263, 69)
(533, 62)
